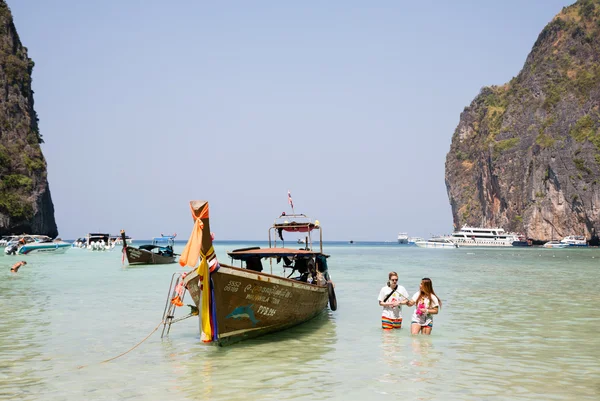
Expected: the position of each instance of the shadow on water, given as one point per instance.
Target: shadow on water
(293, 361)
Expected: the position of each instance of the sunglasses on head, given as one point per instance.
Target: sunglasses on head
(426, 279)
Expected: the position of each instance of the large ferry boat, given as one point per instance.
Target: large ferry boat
(482, 236)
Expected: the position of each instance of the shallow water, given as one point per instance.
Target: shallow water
(516, 324)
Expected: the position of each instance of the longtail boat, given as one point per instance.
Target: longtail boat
(237, 303)
(159, 253)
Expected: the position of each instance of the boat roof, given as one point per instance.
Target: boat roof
(295, 223)
(242, 254)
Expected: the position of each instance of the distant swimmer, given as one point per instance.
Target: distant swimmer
(16, 266)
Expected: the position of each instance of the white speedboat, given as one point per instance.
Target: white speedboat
(574, 240)
(413, 240)
(437, 242)
(402, 238)
(555, 244)
(28, 244)
(482, 236)
(99, 242)
(7, 239)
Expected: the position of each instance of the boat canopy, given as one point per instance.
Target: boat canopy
(257, 252)
(295, 226)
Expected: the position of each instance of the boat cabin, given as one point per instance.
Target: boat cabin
(304, 262)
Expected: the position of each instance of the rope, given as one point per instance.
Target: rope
(129, 350)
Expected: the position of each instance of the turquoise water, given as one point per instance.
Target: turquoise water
(516, 324)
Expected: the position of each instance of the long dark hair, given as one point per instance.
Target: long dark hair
(428, 291)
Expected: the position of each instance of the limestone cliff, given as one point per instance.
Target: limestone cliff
(25, 201)
(526, 155)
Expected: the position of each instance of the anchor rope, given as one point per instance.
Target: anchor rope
(140, 343)
(129, 350)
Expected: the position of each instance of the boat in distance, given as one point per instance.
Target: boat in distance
(237, 303)
(437, 242)
(574, 240)
(402, 238)
(160, 252)
(483, 236)
(555, 245)
(413, 240)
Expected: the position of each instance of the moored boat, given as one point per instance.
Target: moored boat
(7, 239)
(160, 252)
(483, 236)
(95, 242)
(522, 240)
(402, 238)
(29, 244)
(574, 240)
(555, 245)
(413, 240)
(437, 242)
(237, 303)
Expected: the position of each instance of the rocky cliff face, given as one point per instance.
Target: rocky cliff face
(526, 155)
(25, 201)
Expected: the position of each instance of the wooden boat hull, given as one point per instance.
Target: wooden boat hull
(137, 256)
(250, 304)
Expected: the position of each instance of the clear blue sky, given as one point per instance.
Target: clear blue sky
(351, 105)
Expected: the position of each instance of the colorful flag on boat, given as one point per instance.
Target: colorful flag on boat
(290, 201)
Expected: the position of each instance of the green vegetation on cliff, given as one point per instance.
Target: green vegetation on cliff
(534, 142)
(25, 203)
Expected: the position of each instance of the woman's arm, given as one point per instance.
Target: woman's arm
(432, 311)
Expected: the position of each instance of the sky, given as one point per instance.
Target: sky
(145, 105)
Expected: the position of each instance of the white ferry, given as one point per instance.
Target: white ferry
(402, 238)
(574, 240)
(482, 236)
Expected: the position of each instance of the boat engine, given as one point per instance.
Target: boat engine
(11, 249)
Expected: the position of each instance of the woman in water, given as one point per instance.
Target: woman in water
(428, 304)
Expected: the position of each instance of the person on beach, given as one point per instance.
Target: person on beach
(16, 266)
(392, 297)
(428, 304)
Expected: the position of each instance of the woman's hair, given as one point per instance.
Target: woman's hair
(390, 275)
(427, 291)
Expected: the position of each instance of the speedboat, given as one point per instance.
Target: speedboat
(555, 244)
(7, 239)
(437, 242)
(28, 244)
(413, 240)
(522, 241)
(574, 240)
(96, 242)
